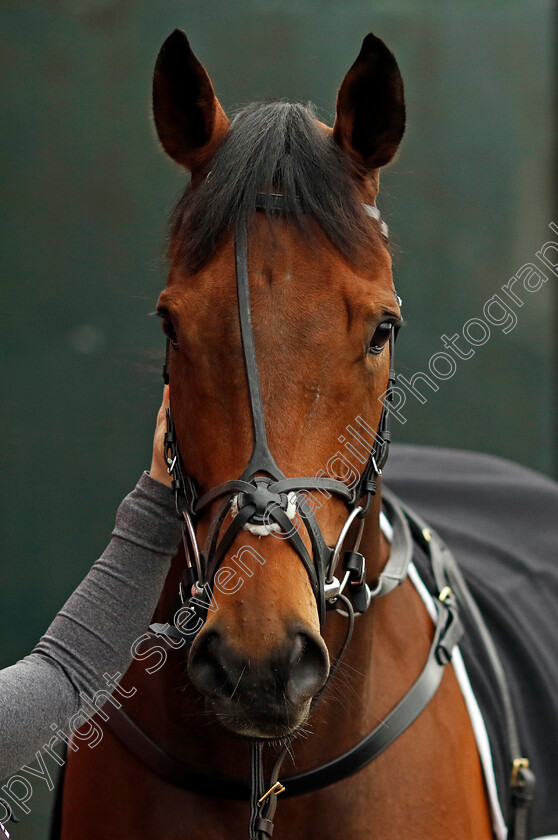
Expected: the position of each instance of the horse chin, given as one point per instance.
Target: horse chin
(271, 727)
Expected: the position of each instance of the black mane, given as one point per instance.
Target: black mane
(272, 147)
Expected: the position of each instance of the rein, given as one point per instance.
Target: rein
(264, 496)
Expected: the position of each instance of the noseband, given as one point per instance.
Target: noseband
(263, 497)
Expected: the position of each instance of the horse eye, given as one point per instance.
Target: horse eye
(380, 337)
(169, 330)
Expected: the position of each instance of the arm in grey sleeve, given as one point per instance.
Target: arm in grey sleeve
(94, 631)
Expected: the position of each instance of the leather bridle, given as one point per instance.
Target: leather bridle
(264, 496)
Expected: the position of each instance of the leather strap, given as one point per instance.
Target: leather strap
(168, 768)
(261, 459)
(401, 554)
(277, 202)
(282, 485)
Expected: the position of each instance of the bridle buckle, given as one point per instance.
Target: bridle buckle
(518, 765)
(332, 588)
(274, 790)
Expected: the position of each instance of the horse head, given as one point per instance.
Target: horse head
(281, 196)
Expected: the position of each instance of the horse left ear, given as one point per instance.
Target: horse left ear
(188, 117)
(370, 118)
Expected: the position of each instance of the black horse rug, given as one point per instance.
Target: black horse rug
(500, 521)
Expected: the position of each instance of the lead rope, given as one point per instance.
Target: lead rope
(263, 804)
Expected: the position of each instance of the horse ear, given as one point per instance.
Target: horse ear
(188, 117)
(370, 118)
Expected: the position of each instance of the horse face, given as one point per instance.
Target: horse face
(319, 322)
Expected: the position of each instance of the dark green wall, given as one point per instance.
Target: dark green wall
(85, 192)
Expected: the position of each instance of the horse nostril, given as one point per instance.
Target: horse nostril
(205, 666)
(309, 666)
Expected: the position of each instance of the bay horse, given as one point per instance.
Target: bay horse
(280, 315)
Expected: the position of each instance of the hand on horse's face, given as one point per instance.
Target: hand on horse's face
(158, 469)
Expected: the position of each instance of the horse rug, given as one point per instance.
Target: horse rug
(500, 520)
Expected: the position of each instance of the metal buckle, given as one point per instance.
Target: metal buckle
(275, 790)
(332, 589)
(191, 545)
(518, 764)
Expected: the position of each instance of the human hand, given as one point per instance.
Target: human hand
(158, 469)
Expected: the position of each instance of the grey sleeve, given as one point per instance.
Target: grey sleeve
(94, 631)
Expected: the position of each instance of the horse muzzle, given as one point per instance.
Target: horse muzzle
(267, 698)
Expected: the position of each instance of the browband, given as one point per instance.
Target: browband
(277, 202)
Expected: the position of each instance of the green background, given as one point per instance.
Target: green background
(85, 195)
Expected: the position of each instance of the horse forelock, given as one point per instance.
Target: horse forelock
(274, 147)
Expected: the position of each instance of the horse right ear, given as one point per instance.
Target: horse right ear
(189, 120)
